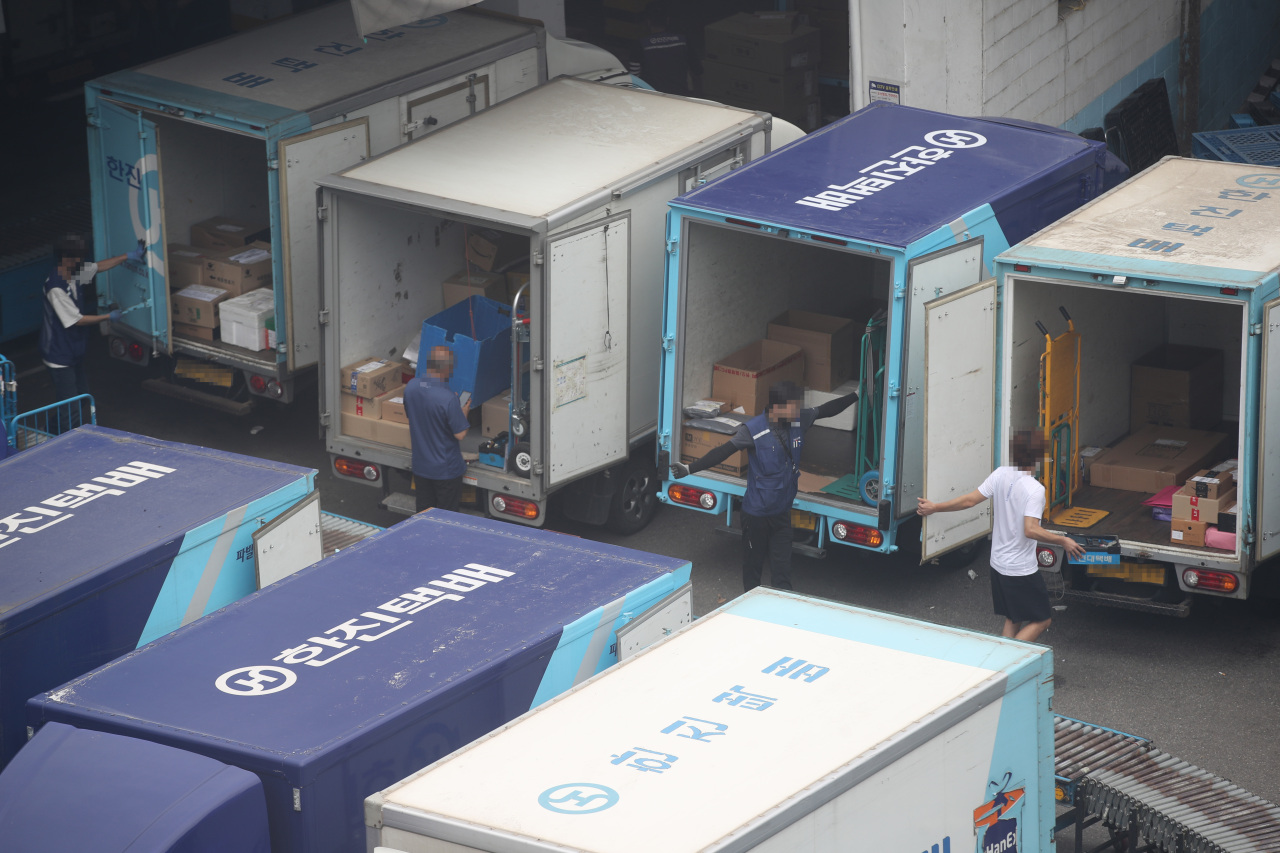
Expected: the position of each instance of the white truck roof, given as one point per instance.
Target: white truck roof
(1219, 222)
(548, 148)
(835, 688)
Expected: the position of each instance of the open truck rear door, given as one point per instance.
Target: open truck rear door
(1268, 511)
(959, 412)
(127, 209)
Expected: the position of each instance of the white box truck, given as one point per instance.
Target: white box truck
(240, 129)
(777, 723)
(574, 178)
(1172, 281)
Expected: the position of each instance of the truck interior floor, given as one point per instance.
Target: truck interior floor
(1127, 517)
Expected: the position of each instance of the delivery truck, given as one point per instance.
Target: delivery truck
(111, 540)
(336, 681)
(544, 217)
(1171, 282)
(209, 157)
(813, 265)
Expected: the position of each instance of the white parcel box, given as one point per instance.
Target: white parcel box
(247, 320)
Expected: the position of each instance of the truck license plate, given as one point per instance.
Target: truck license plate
(802, 520)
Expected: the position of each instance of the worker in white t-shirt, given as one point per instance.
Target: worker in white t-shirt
(1018, 591)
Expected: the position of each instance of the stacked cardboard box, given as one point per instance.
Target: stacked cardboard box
(764, 61)
(373, 401)
(1199, 505)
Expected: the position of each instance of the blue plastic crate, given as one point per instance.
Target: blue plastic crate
(1257, 145)
(1242, 120)
(478, 330)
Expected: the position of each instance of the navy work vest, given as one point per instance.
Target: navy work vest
(58, 344)
(773, 477)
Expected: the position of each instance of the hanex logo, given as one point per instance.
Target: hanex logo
(998, 817)
(256, 680)
(578, 798)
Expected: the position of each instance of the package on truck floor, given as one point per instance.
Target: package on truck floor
(393, 407)
(223, 232)
(478, 331)
(239, 270)
(462, 285)
(1186, 532)
(369, 407)
(200, 333)
(1154, 458)
(184, 265)
(395, 433)
(371, 377)
(495, 415)
(737, 40)
(197, 305)
(248, 320)
(825, 340)
(1187, 505)
(492, 250)
(743, 378)
(698, 441)
(1178, 386)
(1208, 483)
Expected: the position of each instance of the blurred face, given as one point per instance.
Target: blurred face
(788, 411)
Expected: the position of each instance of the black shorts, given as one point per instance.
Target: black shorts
(1020, 598)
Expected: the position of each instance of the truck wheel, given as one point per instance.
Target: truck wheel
(636, 499)
(523, 459)
(869, 488)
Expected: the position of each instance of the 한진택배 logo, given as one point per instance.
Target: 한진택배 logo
(997, 819)
(578, 798)
(256, 680)
(955, 139)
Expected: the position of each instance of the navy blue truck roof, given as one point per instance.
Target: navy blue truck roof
(891, 175)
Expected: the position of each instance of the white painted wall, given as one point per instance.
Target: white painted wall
(1011, 58)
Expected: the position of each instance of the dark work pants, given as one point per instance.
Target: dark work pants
(445, 494)
(769, 535)
(69, 381)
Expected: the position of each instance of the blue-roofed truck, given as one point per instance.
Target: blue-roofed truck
(865, 222)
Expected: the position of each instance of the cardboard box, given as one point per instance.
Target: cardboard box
(492, 250)
(371, 377)
(463, 285)
(369, 407)
(1153, 458)
(1087, 455)
(184, 265)
(833, 24)
(846, 420)
(1184, 532)
(201, 333)
(393, 407)
(1178, 386)
(773, 23)
(494, 415)
(197, 305)
(239, 270)
(1188, 507)
(1206, 484)
(359, 426)
(827, 343)
(392, 432)
(733, 41)
(743, 378)
(697, 443)
(223, 232)
(775, 92)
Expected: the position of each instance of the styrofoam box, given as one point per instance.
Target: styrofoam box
(244, 319)
(846, 420)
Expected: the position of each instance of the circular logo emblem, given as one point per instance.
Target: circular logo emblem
(256, 680)
(955, 139)
(578, 798)
(1259, 181)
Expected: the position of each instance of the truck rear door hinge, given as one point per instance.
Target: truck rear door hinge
(671, 246)
(1255, 329)
(537, 258)
(322, 212)
(92, 120)
(537, 364)
(669, 342)
(894, 390)
(273, 164)
(324, 316)
(324, 419)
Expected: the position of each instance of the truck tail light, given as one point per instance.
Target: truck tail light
(1211, 581)
(136, 352)
(1021, 268)
(689, 496)
(275, 389)
(117, 348)
(258, 384)
(1046, 557)
(745, 222)
(857, 534)
(514, 506)
(356, 468)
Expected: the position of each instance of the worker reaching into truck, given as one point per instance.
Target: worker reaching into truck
(437, 423)
(774, 440)
(1018, 592)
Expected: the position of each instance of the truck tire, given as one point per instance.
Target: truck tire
(636, 499)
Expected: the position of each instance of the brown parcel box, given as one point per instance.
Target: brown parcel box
(371, 377)
(184, 265)
(393, 433)
(492, 250)
(1177, 386)
(697, 443)
(494, 415)
(197, 305)
(359, 426)
(366, 407)
(743, 378)
(393, 407)
(463, 285)
(1183, 532)
(1208, 484)
(827, 343)
(239, 270)
(1154, 458)
(1188, 507)
(186, 330)
(733, 42)
(773, 92)
(222, 232)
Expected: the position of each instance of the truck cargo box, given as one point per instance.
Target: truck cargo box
(70, 789)
(346, 676)
(777, 723)
(111, 540)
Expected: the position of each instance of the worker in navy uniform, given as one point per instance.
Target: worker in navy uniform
(437, 423)
(666, 62)
(774, 440)
(64, 329)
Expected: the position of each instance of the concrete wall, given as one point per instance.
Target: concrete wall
(1032, 59)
